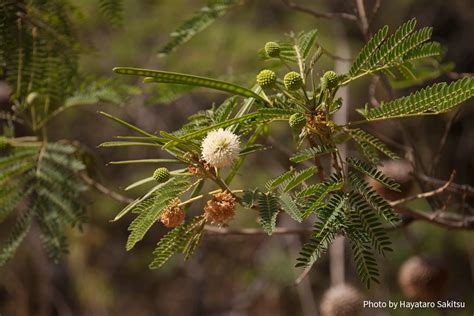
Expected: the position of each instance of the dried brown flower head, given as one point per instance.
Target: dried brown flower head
(173, 214)
(220, 208)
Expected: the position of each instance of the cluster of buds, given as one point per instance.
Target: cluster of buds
(220, 208)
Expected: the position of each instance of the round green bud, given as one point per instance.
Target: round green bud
(297, 121)
(329, 80)
(161, 175)
(272, 49)
(293, 81)
(266, 78)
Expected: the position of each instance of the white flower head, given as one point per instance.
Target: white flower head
(220, 148)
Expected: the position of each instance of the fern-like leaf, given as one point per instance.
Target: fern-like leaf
(376, 201)
(312, 152)
(179, 78)
(374, 173)
(176, 240)
(330, 218)
(269, 208)
(200, 21)
(438, 98)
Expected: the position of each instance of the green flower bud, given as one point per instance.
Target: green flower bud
(293, 81)
(297, 121)
(329, 80)
(161, 175)
(272, 49)
(266, 78)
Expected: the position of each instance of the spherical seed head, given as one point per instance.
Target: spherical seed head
(341, 300)
(266, 78)
(297, 121)
(272, 49)
(329, 80)
(173, 215)
(220, 208)
(423, 278)
(161, 175)
(293, 81)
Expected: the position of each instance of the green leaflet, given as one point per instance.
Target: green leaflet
(299, 178)
(312, 152)
(368, 50)
(290, 207)
(377, 202)
(330, 217)
(159, 200)
(183, 238)
(364, 219)
(179, 78)
(269, 209)
(199, 22)
(370, 145)
(19, 232)
(438, 98)
(374, 173)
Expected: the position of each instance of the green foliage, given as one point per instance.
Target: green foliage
(44, 178)
(113, 10)
(438, 98)
(330, 219)
(340, 199)
(200, 21)
(177, 78)
(373, 173)
(397, 50)
(183, 238)
(268, 208)
(371, 145)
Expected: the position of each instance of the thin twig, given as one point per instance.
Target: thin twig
(443, 140)
(459, 75)
(375, 9)
(364, 24)
(454, 187)
(213, 230)
(439, 218)
(423, 195)
(318, 14)
(101, 188)
(332, 55)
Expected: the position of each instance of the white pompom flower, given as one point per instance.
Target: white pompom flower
(220, 148)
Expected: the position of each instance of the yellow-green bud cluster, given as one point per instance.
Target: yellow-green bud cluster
(293, 81)
(272, 49)
(329, 80)
(161, 175)
(297, 121)
(266, 78)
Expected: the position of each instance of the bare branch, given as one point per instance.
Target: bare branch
(453, 187)
(101, 188)
(423, 195)
(340, 15)
(212, 230)
(364, 24)
(439, 218)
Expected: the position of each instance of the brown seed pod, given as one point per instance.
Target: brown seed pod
(342, 300)
(173, 215)
(220, 208)
(423, 278)
(399, 170)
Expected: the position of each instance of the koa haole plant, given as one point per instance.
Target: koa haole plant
(211, 147)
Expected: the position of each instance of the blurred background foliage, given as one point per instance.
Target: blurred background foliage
(229, 275)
